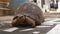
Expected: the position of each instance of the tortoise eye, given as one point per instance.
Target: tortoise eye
(21, 17)
(15, 17)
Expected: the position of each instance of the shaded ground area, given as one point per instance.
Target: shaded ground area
(6, 28)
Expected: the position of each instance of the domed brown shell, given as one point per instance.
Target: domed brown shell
(31, 10)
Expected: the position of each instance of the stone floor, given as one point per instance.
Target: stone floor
(6, 28)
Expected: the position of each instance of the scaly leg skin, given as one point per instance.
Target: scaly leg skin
(14, 21)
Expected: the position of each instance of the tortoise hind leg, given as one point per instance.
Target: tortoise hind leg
(37, 23)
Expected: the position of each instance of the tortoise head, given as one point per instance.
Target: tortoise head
(17, 20)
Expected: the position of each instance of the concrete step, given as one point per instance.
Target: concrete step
(52, 14)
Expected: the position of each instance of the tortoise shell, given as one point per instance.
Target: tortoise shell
(31, 10)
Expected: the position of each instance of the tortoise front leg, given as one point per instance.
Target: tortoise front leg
(14, 21)
(30, 21)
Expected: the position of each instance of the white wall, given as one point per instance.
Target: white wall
(47, 5)
(58, 10)
(39, 3)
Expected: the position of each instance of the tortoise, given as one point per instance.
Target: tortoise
(29, 14)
